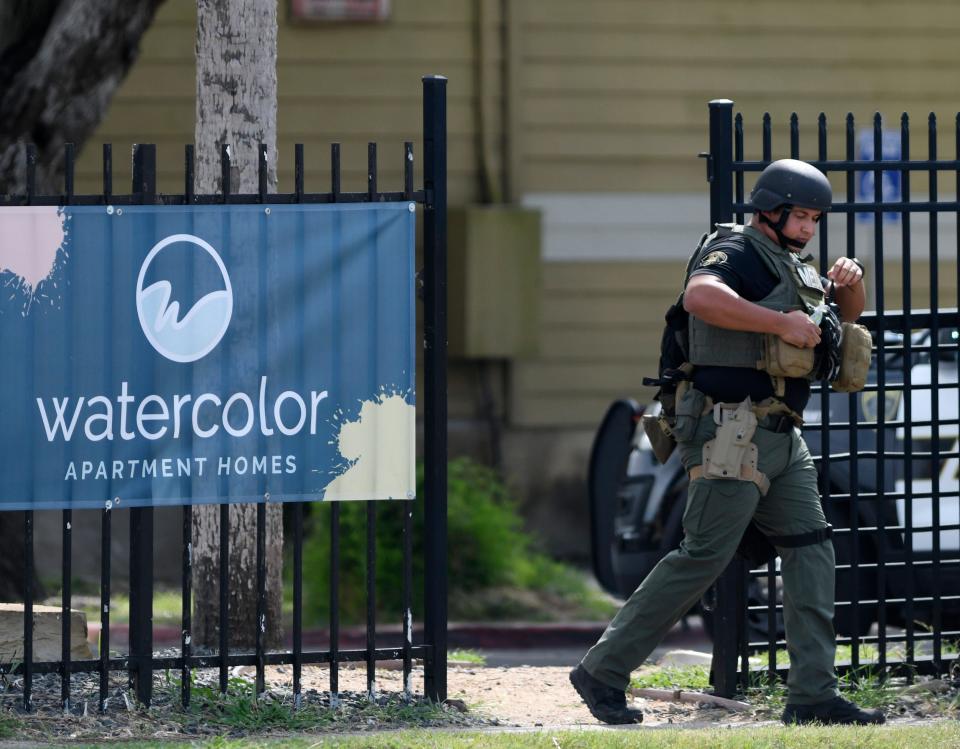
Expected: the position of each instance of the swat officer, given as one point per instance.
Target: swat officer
(754, 349)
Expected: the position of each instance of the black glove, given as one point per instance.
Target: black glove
(826, 356)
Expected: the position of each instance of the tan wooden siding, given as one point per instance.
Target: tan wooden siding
(615, 98)
(600, 335)
(154, 104)
(350, 83)
(762, 16)
(920, 285)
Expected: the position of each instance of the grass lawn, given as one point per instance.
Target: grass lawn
(939, 735)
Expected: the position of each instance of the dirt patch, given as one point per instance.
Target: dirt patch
(528, 696)
(521, 696)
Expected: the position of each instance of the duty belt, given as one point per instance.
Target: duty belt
(772, 415)
(780, 423)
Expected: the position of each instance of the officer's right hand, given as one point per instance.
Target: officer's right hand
(797, 329)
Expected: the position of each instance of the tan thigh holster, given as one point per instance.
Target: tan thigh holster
(731, 454)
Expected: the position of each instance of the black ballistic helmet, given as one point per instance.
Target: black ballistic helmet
(793, 183)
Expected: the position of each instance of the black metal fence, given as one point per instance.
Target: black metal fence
(888, 457)
(141, 662)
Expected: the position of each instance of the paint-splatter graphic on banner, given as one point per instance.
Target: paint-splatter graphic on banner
(31, 238)
(377, 447)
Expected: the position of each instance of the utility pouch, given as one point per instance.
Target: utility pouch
(781, 359)
(855, 353)
(731, 448)
(688, 413)
(660, 436)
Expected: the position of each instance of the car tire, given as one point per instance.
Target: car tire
(608, 462)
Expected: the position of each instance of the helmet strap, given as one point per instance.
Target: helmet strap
(778, 225)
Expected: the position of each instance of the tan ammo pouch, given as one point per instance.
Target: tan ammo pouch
(855, 352)
(731, 454)
(660, 436)
(689, 409)
(781, 359)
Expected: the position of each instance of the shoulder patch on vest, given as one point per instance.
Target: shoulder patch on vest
(714, 258)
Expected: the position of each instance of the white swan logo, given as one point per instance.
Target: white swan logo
(200, 329)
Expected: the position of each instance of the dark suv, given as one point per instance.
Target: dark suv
(636, 504)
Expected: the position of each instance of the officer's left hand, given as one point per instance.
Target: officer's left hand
(845, 272)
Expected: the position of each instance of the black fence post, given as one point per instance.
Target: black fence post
(141, 518)
(435, 384)
(141, 602)
(721, 160)
(28, 570)
(28, 573)
(725, 635)
(727, 620)
(67, 526)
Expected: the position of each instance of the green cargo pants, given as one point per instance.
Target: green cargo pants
(717, 512)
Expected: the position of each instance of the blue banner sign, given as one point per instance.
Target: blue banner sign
(162, 355)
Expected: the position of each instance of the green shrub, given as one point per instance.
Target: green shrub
(488, 550)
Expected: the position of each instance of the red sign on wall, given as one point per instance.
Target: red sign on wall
(339, 10)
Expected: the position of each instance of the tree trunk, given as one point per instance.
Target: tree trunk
(236, 106)
(60, 63)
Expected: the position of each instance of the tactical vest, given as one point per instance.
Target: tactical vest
(798, 287)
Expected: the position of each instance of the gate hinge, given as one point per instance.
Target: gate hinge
(709, 158)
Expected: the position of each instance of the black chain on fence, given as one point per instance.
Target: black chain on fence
(141, 662)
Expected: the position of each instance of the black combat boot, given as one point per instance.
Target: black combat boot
(606, 703)
(836, 711)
